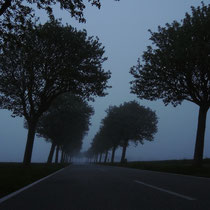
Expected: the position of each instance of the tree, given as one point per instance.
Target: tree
(75, 8)
(12, 8)
(97, 146)
(47, 61)
(112, 130)
(177, 68)
(108, 135)
(128, 122)
(137, 124)
(89, 155)
(65, 124)
(16, 13)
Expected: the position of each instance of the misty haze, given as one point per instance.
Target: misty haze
(104, 104)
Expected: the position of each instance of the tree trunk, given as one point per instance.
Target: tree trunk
(125, 144)
(62, 156)
(106, 155)
(65, 158)
(113, 154)
(199, 145)
(100, 158)
(50, 157)
(57, 152)
(29, 143)
(96, 158)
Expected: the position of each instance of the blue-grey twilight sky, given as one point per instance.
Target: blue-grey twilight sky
(122, 27)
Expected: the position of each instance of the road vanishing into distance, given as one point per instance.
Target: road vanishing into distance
(95, 187)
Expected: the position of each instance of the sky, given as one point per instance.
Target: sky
(122, 27)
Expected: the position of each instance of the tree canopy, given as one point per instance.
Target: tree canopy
(177, 67)
(65, 123)
(75, 8)
(44, 62)
(128, 122)
(137, 124)
(13, 9)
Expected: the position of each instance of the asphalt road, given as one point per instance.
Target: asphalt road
(90, 187)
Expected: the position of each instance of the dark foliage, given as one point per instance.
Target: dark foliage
(16, 8)
(177, 68)
(65, 123)
(43, 62)
(128, 122)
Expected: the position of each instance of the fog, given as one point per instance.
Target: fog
(122, 27)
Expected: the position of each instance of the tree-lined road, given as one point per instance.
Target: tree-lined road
(102, 187)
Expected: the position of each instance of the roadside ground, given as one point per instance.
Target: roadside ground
(14, 176)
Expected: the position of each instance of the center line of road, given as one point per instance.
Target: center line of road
(167, 191)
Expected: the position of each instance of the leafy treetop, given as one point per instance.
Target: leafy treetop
(46, 61)
(66, 122)
(177, 68)
(10, 8)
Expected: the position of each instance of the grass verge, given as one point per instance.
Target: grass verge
(14, 176)
(170, 166)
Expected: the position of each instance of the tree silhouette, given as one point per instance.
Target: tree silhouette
(177, 68)
(109, 135)
(13, 12)
(44, 62)
(65, 124)
(112, 130)
(128, 122)
(75, 8)
(137, 124)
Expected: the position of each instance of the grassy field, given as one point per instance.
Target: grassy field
(14, 176)
(170, 166)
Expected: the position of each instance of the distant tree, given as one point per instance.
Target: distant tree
(97, 145)
(65, 123)
(109, 134)
(48, 60)
(128, 122)
(137, 124)
(111, 129)
(89, 155)
(177, 68)
(104, 140)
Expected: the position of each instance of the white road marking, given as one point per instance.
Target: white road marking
(167, 191)
(28, 186)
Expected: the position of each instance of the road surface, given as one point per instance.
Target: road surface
(94, 187)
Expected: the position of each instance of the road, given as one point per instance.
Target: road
(94, 187)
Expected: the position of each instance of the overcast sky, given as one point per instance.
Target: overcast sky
(122, 28)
